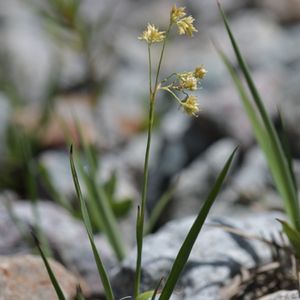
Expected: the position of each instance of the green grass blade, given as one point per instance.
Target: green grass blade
(258, 127)
(99, 199)
(286, 148)
(293, 236)
(283, 178)
(155, 293)
(260, 133)
(58, 290)
(86, 219)
(159, 207)
(79, 295)
(190, 239)
(139, 245)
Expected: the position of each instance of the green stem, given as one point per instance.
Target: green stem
(160, 59)
(150, 69)
(141, 211)
(141, 214)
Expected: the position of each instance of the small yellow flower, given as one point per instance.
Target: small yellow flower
(187, 81)
(152, 35)
(185, 26)
(177, 13)
(200, 72)
(191, 106)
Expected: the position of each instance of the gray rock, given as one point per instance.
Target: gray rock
(25, 277)
(285, 11)
(63, 233)
(282, 295)
(196, 180)
(5, 114)
(58, 162)
(27, 51)
(226, 102)
(208, 266)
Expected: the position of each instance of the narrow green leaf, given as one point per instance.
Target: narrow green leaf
(190, 239)
(145, 296)
(293, 236)
(86, 219)
(52, 277)
(285, 145)
(283, 177)
(79, 295)
(260, 133)
(139, 245)
(157, 289)
(121, 207)
(159, 207)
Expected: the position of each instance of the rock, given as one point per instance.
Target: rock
(27, 50)
(11, 241)
(282, 295)
(226, 102)
(195, 181)
(207, 11)
(63, 233)
(272, 43)
(285, 11)
(25, 277)
(5, 114)
(208, 266)
(58, 162)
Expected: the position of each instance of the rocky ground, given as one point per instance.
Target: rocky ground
(100, 79)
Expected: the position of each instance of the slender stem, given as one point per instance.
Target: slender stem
(150, 69)
(141, 211)
(172, 93)
(141, 214)
(161, 57)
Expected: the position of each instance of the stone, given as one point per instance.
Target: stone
(5, 114)
(282, 295)
(195, 181)
(28, 52)
(62, 232)
(224, 106)
(25, 277)
(285, 11)
(208, 266)
(58, 162)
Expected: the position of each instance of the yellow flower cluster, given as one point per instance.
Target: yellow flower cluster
(152, 35)
(184, 24)
(200, 72)
(189, 80)
(191, 105)
(186, 81)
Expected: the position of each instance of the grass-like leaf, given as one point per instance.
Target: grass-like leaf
(101, 209)
(86, 219)
(283, 176)
(159, 207)
(190, 239)
(58, 290)
(293, 236)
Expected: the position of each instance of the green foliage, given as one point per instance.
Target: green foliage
(87, 222)
(273, 144)
(190, 239)
(58, 290)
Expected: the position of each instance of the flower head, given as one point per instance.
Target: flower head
(177, 13)
(152, 35)
(187, 81)
(191, 106)
(185, 26)
(200, 72)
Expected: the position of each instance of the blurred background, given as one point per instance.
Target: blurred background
(74, 71)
